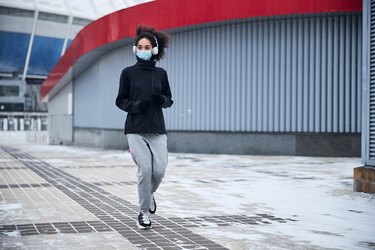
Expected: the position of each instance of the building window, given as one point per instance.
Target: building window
(9, 90)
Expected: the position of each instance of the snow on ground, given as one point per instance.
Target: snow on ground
(315, 193)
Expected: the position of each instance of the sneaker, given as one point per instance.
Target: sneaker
(152, 208)
(144, 221)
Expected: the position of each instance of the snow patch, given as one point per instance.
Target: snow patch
(12, 234)
(10, 206)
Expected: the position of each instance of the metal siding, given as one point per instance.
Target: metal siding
(293, 71)
(253, 81)
(366, 84)
(317, 75)
(341, 79)
(312, 81)
(371, 83)
(245, 93)
(335, 92)
(329, 71)
(359, 73)
(283, 63)
(271, 75)
(297, 74)
(264, 81)
(347, 77)
(323, 106)
(238, 80)
(228, 80)
(355, 88)
(277, 77)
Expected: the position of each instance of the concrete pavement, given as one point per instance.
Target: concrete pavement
(67, 197)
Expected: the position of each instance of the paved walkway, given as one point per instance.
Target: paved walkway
(60, 197)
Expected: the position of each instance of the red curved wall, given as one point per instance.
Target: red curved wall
(169, 14)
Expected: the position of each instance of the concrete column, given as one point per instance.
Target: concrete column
(5, 124)
(22, 124)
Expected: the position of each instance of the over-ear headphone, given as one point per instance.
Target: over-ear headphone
(154, 51)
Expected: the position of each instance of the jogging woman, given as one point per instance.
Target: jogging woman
(143, 92)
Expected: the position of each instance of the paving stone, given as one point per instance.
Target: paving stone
(86, 195)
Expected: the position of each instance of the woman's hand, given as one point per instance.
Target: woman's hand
(158, 99)
(144, 105)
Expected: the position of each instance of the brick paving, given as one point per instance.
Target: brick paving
(115, 212)
(73, 198)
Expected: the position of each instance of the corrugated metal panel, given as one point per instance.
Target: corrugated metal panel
(371, 83)
(299, 74)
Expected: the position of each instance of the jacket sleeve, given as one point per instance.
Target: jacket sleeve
(166, 92)
(122, 101)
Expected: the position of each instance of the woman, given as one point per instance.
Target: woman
(144, 90)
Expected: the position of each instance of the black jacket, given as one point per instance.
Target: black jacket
(138, 85)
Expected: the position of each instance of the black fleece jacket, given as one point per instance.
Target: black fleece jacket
(143, 92)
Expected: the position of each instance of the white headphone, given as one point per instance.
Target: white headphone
(154, 51)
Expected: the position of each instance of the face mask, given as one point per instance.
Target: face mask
(144, 54)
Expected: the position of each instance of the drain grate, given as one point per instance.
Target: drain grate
(25, 185)
(115, 212)
(227, 220)
(56, 227)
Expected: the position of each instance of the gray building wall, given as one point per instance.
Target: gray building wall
(97, 121)
(60, 116)
(289, 75)
(95, 91)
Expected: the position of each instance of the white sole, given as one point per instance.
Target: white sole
(142, 227)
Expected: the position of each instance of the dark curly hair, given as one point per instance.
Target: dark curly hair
(150, 33)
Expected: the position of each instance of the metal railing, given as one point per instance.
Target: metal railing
(23, 121)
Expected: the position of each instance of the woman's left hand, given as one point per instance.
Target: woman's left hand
(158, 99)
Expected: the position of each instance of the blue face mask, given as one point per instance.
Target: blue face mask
(144, 54)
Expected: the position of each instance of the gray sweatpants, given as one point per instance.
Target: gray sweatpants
(150, 153)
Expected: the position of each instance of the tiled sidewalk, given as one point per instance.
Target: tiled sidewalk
(58, 197)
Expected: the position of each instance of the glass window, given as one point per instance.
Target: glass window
(9, 90)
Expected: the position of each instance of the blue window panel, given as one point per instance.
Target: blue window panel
(13, 50)
(44, 55)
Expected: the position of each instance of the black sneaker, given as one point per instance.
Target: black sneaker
(152, 208)
(144, 221)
